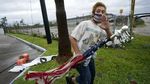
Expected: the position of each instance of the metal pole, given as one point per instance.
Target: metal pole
(45, 20)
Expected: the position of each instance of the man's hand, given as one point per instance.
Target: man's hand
(104, 23)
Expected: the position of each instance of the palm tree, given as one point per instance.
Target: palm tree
(4, 24)
(64, 45)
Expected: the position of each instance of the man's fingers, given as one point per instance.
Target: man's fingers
(104, 18)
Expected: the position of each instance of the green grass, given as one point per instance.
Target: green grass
(113, 66)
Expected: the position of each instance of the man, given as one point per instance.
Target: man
(83, 36)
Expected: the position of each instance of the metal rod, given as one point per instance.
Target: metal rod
(45, 20)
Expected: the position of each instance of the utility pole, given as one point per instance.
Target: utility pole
(45, 20)
(132, 16)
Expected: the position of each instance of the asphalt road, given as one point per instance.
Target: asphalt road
(10, 50)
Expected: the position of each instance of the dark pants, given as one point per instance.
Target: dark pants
(87, 73)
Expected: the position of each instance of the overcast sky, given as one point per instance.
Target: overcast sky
(30, 11)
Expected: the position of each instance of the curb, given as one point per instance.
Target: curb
(30, 44)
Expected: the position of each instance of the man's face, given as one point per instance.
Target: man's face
(99, 14)
(100, 10)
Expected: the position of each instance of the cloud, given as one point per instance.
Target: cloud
(30, 10)
(142, 6)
